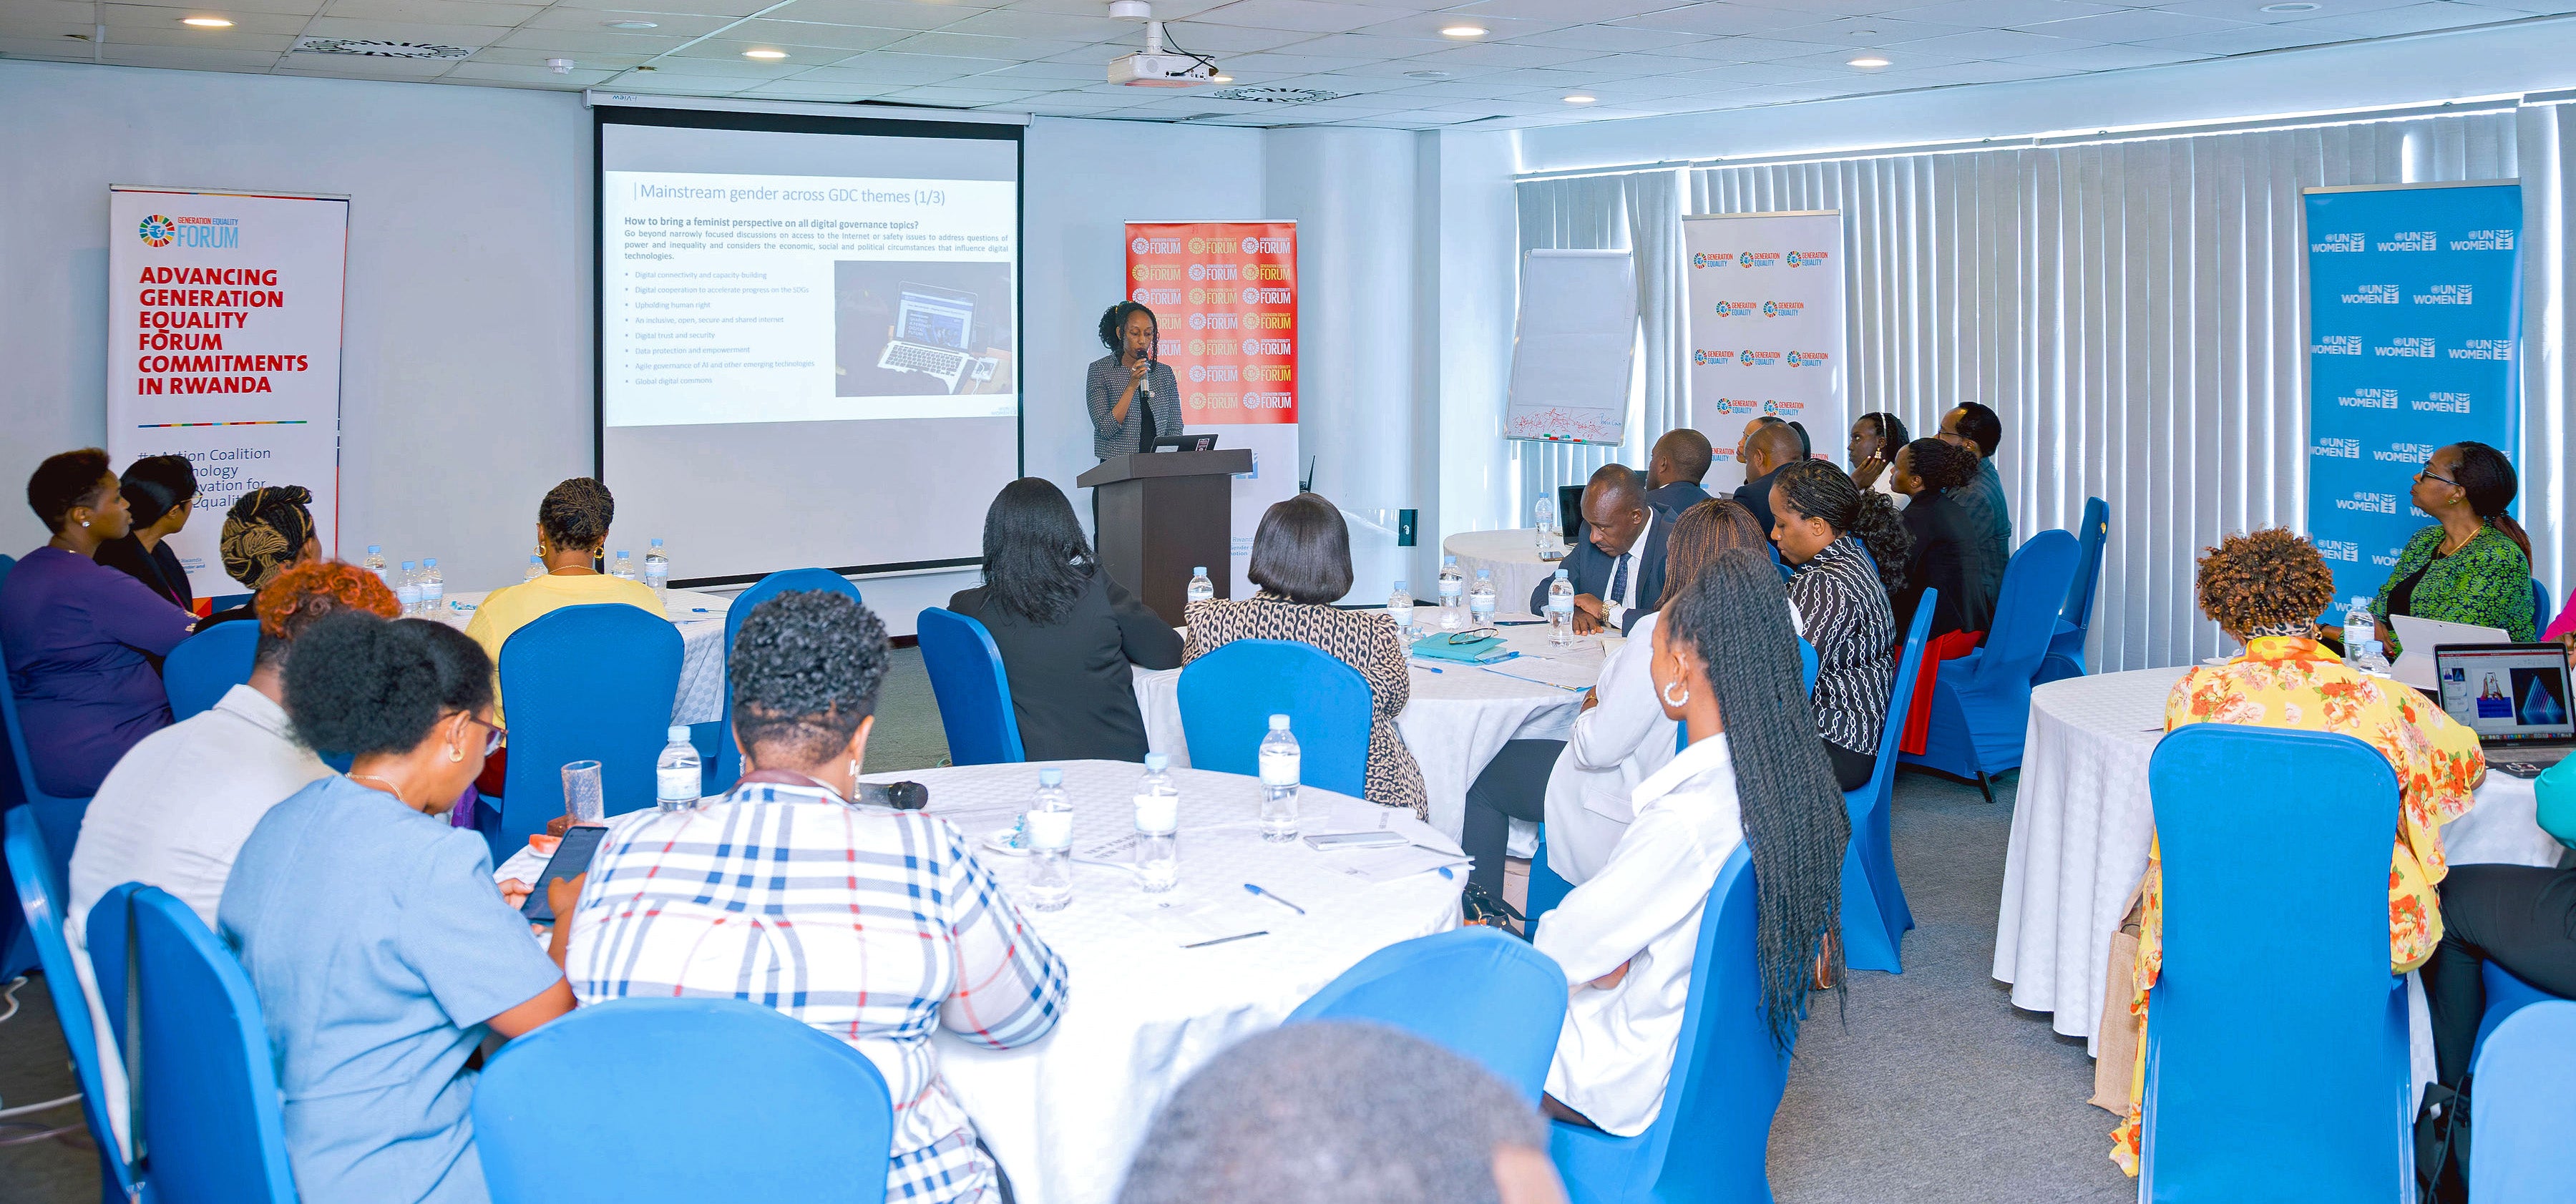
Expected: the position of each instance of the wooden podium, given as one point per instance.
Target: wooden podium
(1163, 514)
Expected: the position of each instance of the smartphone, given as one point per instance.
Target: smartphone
(1328, 841)
(571, 858)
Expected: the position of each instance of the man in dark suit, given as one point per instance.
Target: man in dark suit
(1673, 472)
(1618, 569)
(1766, 451)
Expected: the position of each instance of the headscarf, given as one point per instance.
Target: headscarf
(265, 531)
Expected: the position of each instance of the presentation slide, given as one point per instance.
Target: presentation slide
(808, 337)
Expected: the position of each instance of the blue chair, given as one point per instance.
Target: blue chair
(728, 759)
(2066, 647)
(974, 694)
(2542, 611)
(1709, 1141)
(1875, 916)
(212, 1128)
(2299, 1090)
(58, 816)
(1981, 701)
(2506, 995)
(585, 683)
(1228, 696)
(2522, 1154)
(206, 665)
(814, 1124)
(1474, 991)
(40, 896)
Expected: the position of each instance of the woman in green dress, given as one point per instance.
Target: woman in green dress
(2473, 564)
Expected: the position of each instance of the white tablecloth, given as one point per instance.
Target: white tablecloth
(2082, 821)
(700, 618)
(1512, 556)
(1459, 717)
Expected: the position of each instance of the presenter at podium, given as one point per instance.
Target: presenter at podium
(1133, 395)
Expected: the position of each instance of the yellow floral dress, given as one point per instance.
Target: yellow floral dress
(2286, 681)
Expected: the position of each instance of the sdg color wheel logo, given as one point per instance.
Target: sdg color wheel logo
(157, 231)
(1744, 259)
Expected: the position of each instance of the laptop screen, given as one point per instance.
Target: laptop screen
(2507, 692)
(939, 319)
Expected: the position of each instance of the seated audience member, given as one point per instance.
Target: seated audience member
(266, 531)
(884, 919)
(572, 527)
(1726, 665)
(160, 491)
(1071, 638)
(1976, 428)
(1875, 440)
(1766, 452)
(1580, 785)
(2264, 591)
(82, 639)
(175, 810)
(380, 948)
(1301, 559)
(1947, 550)
(1850, 550)
(1342, 1112)
(1744, 438)
(2473, 563)
(1806, 442)
(1673, 472)
(1618, 567)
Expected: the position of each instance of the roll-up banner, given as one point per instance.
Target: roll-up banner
(1766, 328)
(2414, 312)
(1224, 295)
(223, 346)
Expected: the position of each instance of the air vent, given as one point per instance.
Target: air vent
(372, 48)
(1276, 96)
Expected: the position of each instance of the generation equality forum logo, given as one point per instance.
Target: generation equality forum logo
(200, 233)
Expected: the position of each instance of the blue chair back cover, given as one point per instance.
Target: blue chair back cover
(2542, 609)
(974, 694)
(1228, 696)
(1981, 701)
(1476, 991)
(212, 1129)
(728, 761)
(813, 1124)
(207, 664)
(2506, 995)
(2075, 622)
(585, 683)
(1875, 916)
(40, 896)
(1808, 663)
(2522, 1154)
(1710, 1140)
(58, 817)
(2299, 1090)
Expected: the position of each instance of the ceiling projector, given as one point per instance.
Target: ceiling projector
(1154, 67)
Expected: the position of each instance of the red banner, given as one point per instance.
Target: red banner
(1225, 296)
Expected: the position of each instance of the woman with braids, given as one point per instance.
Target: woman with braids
(371, 931)
(2473, 565)
(1850, 550)
(1948, 552)
(1876, 439)
(1725, 664)
(2264, 590)
(572, 527)
(1070, 637)
(266, 530)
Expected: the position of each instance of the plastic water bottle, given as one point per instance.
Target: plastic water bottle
(1544, 517)
(1480, 600)
(1453, 585)
(1279, 768)
(676, 781)
(375, 563)
(1158, 846)
(1399, 607)
(657, 571)
(2361, 647)
(624, 569)
(1201, 589)
(536, 568)
(433, 590)
(1158, 777)
(1560, 609)
(407, 590)
(1050, 833)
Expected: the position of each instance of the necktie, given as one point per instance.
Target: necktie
(1618, 580)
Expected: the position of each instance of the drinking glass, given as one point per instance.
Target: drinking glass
(582, 798)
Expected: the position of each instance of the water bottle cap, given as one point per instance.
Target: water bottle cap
(1050, 776)
(431, 562)
(1482, 574)
(533, 558)
(374, 548)
(623, 553)
(1199, 571)
(1279, 723)
(679, 732)
(1448, 560)
(1157, 762)
(657, 543)
(1399, 585)
(1560, 574)
(407, 564)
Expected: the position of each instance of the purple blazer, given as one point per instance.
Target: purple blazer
(75, 633)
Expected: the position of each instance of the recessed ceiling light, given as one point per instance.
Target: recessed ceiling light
(1868, 62)
(206, 22)
(1428, 74)
(764, 54)
(634, 25)
(1462, 31)
(1220, 79)
(2301, 6)
(1579, 99)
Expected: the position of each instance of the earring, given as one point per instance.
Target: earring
(457, 754)
(1667, 692)
(84, 522)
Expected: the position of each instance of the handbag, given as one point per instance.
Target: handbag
(2442, 1145)
(2116, 1038)
(1477, 907)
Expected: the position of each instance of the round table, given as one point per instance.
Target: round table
(701, 620)
(2082, 820)
(1460, 715)
(1511, 556)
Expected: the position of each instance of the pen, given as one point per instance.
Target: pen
(1274, 898)
(1426, 668)
(1242, 936)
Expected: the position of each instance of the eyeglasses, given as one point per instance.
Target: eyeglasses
(491, 743)
(1471, 636)
(2427, 471)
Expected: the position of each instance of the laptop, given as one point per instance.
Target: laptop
(2514, 696)
(931, 329)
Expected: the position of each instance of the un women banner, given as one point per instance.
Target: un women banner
(1766, 327)
(2414, 315)
(223, 345)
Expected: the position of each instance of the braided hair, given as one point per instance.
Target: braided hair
(1815, 489)
(1735, 618)
(2487, 476)
(1113, 324)
(1942, 466)
(575, 514)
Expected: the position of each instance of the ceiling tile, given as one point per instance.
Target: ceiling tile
(1991, 14)
(673, 25)
(809, 33)
(1234, 39)
(1613, 38)
(351, 66)
(1555, 10)
(1038, 72)
(1503, 55)
(539, 75)
(1719, 18)
(1410, 69)
(958, 97)
(475, 36)
(433, 12)
(1904, 60)
(1317, 16)
(1759, 73)
(2112, 58)
(1746, 50)
(977, 46)
(592, 41)
(1988, 44)
(120, 16)
(887, 14)
(208, 39)
(1867, 31)
(792, 90)
(1977, 73)
(1497, 28)
(514, 56)
(2413, 18)
(1020, 23)
(2132, 25)
(1832, 8)
(1637, 65)
(907, 70)
(1288, 62)
(1457, 90)
(1365, 48)
(2249, 39)
(723, 57)
(2252, 10)
(1166, 10)
(184, 58)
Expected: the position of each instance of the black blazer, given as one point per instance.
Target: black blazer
(157, 567)
(1677, 497)
(1590, 570)
(1948, 556)
(1071, 686)
(1755, 495)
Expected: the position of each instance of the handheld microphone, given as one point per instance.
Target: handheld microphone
(1145, 384)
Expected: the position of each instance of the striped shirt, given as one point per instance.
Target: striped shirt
(871, 925)
(1844, 611)
(1108, 380)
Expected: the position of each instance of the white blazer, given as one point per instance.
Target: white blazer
(1615, 1054)
(1613, 747)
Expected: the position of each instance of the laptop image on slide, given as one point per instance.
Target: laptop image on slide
(2514, 696)
(931, 327)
